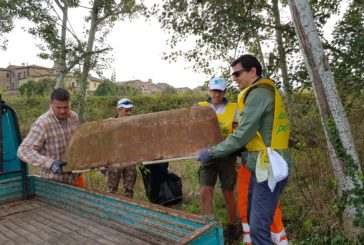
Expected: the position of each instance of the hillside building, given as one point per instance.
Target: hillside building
(13, 76)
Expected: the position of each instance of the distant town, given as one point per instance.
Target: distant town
(14, 76)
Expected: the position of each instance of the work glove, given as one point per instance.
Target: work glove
(56, 166)
(204, 157)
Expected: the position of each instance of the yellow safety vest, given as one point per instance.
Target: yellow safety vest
(225, 119)
(281, 129)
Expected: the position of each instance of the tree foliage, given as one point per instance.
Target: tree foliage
(348, 56)
(106, 87)
(43, 87)
(6, 22)
(225, 29)
(11, 10)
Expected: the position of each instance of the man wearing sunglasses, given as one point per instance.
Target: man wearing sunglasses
(124, 108)
(224, 167)
(263, 123)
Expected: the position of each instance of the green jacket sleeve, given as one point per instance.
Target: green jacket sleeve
(258, 104)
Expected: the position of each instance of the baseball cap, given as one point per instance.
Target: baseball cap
(218, 83)
(124, 103)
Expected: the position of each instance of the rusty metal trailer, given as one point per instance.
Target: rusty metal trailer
(38, 211)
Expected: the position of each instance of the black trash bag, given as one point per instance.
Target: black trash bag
(161, 185)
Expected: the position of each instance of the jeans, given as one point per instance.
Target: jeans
(261, 208)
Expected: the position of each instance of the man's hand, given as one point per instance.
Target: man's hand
(57, 166)
(204, 157)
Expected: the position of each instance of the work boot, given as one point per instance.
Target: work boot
(232, 233)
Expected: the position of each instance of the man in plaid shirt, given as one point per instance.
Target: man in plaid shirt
(48, 138)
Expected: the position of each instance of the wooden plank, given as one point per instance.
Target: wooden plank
(77, 223)
(3, 238)
(129, 215)
(21, 240)
(143, 138)
(7, 232)
(19, 206)
(17, 228)
(157, 224)
(63, 214)
(32, 238)
(33, 222)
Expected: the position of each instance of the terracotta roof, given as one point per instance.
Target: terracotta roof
(95, 79)
(13, 66)
(34, 66)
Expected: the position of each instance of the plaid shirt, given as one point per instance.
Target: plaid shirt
(47, 141)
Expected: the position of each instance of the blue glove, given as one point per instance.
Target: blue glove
(204, 157)
(56, 166)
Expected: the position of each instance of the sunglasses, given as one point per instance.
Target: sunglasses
(237, 73)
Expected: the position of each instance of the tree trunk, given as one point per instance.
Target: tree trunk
(342, 147)
(281, 51)
(260, 53)
(87, 61)
(63, 57)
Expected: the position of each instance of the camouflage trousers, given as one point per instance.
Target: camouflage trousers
(113, 176)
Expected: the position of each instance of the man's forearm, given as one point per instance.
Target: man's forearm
(27, 154)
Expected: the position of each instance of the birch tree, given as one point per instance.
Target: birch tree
(103, 15)
(68, 50)
(62, 44)
(341, 147)
(48, 21)
(62, 57)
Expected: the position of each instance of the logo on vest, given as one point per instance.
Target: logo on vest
(282, 128)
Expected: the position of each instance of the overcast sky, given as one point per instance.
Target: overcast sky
(137, 51)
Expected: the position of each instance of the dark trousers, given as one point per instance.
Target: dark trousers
(261, 207)
(158, 174)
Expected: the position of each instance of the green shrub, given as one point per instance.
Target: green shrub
(105, 88)
(43, 87)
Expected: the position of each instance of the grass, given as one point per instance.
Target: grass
(186, 170)
(309, 202)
